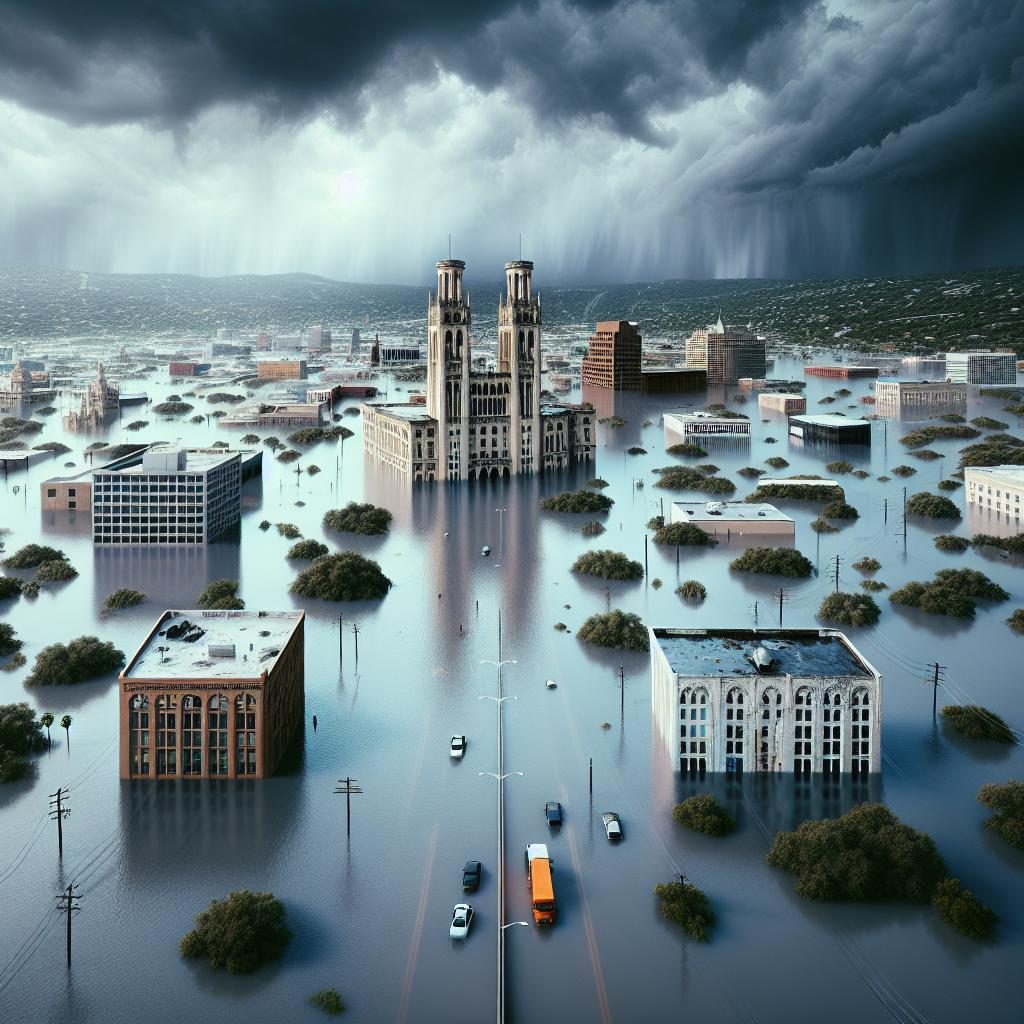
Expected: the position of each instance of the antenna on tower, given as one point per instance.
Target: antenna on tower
(449, 245)
(520, 245)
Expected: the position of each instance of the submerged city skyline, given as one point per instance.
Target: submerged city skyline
(625, 140)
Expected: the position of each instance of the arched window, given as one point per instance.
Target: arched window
(217, 734)
(860, 743)
(167, 734)
(734, 728)
(803, 731)
(832, 732)
(245, 734)
(191, 735)
(447, 343)
(769, 747)
(138, 734)
(458, 341)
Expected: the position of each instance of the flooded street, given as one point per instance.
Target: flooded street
(370, 914)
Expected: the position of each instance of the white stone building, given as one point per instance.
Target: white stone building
(981, 367)
(702, 425)
(895, 396)
(996, 489)
(479, 423)
(774, 700)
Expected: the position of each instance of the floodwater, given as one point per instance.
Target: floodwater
(370, 914)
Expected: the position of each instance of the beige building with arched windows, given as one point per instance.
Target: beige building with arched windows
(770, 700)
(480, 424)
(212, 694)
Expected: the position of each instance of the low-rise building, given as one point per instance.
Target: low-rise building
(996, 489)
(186, 368)
(841, 370)
(281, 369)
(726, 519)
(831, 427)
(702, 424)
(895, 396)
(771, 700)
(278, 414)
(212, 694)
(780, 401)
(991, 368)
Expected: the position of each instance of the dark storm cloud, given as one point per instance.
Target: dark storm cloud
(108, 61)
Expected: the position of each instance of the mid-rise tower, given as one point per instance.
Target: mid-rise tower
(519, 325)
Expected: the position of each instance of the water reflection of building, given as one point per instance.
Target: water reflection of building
(100, 403)
(795, 700)
(479, 423)
(212, 694)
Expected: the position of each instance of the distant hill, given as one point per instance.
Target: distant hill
(973, 309)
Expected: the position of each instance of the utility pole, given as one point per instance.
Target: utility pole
(348, 786)
(904, 520)
(622, 693)
(646, 570)
(58, 812)
(782, 597)
(755, 615)
(68, 905)
(341, 646)
(935, 686)
(835, 573)
(885, 510)
(591, 776)
(355, 633)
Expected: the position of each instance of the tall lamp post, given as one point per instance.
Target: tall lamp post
(501, 531)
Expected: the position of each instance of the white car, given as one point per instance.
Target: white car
(458, 747)
(612, 825)
(462, 918)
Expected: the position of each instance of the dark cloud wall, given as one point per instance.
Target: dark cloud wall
(861, 137)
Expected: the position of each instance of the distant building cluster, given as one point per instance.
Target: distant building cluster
(726, 353)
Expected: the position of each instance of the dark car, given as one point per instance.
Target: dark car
(471, 876)
(553, 813)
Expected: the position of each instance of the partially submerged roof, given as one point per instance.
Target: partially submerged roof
(730, 512)
(213, 645)
(796, 652)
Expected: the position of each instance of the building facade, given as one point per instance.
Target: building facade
(775, 700)
(831, 427)
(100, 403)
(479, 423)
(167, 496)
(996, 489)
(841, 371)
(212, 695)
(281, 369)
(981, 367)
(895, 396)
(726, 519)
(704, 425)
(781, 401)
(614, 357)
(726, 353)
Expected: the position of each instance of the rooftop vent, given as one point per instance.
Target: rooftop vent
(222, 650)
(762, 659)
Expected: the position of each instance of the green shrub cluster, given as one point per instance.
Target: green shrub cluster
(950, 542)
(1016, 620)
(289, 455)
(218, 397)
(636, 450)
(686, 478)
(592, 528)
(750, 472)
(124, 598)
(10, 586)
(684, 534)
(612, 421)
(692, 590)
(56, 571)
(221, 595)
(963, 910)
(33, 555)
(988, 423)
(328, 1000)
(977, 723)
(1007, 803)
(703, 813)
(934, 506)
(616, 629)
(51, 446)
(797, 492)
(9, 642)
(776, 462)
(867, 564)
(363, 518)
(820, 525)
(288, 530)
(84, 658)
(598, 484)
(307, 550)
(172, 408)
(926, 435)
(687, 906)
(949, 593)
(21, 734)
(955, 417)
(310, 435)
(850, 609)
(839, 510)
(239, 934)
(926, 454)
(577, 501)
(608, 565)
(773, 562)
(692, 451)
(949, 485)
(902, 471)
(873, 586)
(1012, 545)
(345, 576)
(989, 454)
(839, 467)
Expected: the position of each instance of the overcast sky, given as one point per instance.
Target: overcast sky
(630, 140)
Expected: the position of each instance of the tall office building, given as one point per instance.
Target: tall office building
(981, 367)
(167, 496)
(726, 353)
(479, 423)
(354, 346)
(613, 359)
(319, 339)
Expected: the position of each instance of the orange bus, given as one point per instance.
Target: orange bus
(542, 888)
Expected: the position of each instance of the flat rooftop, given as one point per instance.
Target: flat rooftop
(704, 414)
(407, 411)
(730, 512)
(796, 652)
(829, 419)
(196, 461)
(245, 645)
(1011, 474)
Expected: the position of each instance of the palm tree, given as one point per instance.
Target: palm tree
(65, 724)
(47, 720)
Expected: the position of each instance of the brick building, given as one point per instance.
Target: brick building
(613, 359)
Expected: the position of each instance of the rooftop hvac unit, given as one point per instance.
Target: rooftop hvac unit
(762, 659)
(222, 650)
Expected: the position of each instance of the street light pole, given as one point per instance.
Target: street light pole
(501, 531)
